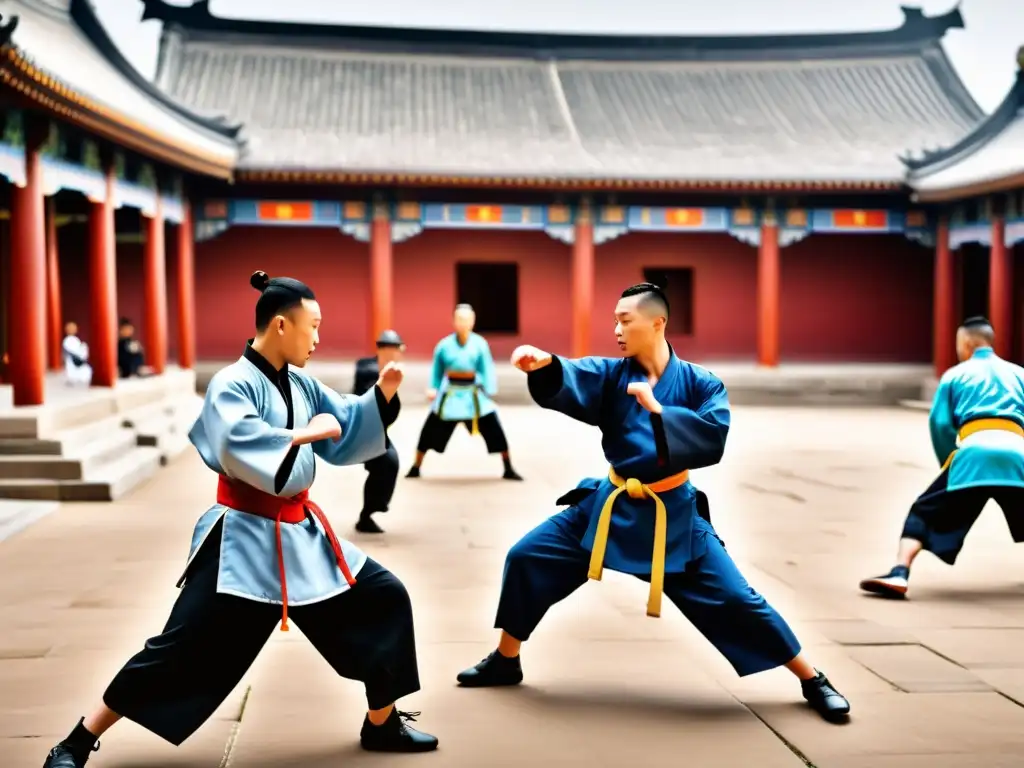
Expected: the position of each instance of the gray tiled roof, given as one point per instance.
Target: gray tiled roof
(991, 156)
(324, 106)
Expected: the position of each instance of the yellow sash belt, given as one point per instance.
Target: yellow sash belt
(638, 490)
(460, 379)
(984, 425)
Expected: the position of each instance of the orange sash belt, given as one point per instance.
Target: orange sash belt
(983, 425)
(291, 511)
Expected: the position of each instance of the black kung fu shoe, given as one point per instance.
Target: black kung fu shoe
(511, 474)
(75, 750)
(824, 699)
(395, 736)
(413, 472)
(366, 524)
(892, 585)
(494, 671)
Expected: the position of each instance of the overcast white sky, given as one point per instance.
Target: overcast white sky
(984, 54)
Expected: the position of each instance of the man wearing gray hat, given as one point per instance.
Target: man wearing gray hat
(382, 471)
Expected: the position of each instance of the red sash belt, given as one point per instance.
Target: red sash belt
(245, 498)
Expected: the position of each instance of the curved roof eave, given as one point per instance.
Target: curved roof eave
(915, 31)
(84, 16)
(988, 129)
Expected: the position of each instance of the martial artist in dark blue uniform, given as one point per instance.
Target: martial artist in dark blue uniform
(659, 417)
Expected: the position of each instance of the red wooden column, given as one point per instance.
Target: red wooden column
(27, 306)
(186, 289)
(582, 281)
(54, 331)
(154, 275)
(1000, 289)
(102, 337)
(944, 321)
(381, 271)
(768, 287)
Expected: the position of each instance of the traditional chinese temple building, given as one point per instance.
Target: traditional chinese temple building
(536, 175)
(95, 161)
(808, 197)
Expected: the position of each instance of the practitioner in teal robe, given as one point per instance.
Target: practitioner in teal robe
(265, 552)
(977, 431)
(462, 382)
(659, 417)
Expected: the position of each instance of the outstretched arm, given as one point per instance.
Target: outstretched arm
(572, 387)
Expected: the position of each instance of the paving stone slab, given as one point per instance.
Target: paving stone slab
(82, 588)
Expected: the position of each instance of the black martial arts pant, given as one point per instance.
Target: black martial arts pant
(179, 679)
(436, 433)
(549, 563)
(380, 481)
(941, 519)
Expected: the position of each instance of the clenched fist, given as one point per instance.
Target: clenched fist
(644, 395)
(528, 359)
(390, 378)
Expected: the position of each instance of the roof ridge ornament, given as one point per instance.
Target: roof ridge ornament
(161, 11)
(914, 20)
(7, 30)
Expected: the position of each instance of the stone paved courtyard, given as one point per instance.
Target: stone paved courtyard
(808, 501)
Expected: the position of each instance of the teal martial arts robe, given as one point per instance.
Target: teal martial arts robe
(462, 400)
(984, 393)
(552, 561)
(243, 433)
(982, 387)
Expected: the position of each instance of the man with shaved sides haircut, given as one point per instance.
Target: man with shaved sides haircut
(977, 431)
(462, 382)
(659, 417)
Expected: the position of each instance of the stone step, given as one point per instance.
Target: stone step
(106, 482)
(74, 464)
(16, 516)
(61, 442)
(172, 446)
(144, 414)
(115, 479)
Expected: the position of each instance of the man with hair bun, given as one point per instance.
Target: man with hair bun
(462, 382)
(977, 430)
(265, 552)
(659, 417)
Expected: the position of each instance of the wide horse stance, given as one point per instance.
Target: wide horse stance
(659, 417)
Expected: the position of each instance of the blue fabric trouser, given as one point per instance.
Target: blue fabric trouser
(548, 564)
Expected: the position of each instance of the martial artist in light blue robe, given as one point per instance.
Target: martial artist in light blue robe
(231, 598)
(464, 380)
(262, 426)
(977, 432)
